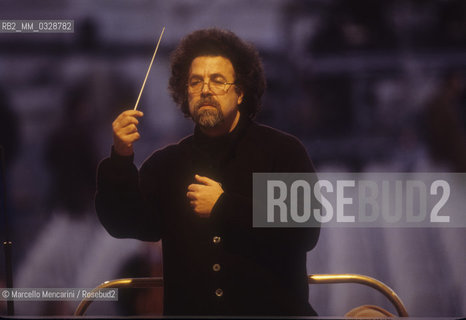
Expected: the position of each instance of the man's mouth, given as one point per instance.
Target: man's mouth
(207, 103)
(207, 107)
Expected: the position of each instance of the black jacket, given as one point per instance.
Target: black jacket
(258, 271)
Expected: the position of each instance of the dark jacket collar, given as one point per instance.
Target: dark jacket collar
(232, 137)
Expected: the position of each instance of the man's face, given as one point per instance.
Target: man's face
(213, 99)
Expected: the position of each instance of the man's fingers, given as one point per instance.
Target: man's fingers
(130, 138)
(131, 113)
(126, 121)
(128, 130)
(194, 187)
(127, 135)
(125, 131)
(127, 117)
(205, 180)
(191, 195)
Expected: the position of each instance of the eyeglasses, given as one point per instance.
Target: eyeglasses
(217, 87)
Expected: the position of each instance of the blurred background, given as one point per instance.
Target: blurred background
(367, 85)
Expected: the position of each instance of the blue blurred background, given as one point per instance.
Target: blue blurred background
(366, 85)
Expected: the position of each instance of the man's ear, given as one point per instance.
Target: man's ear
(240, 97)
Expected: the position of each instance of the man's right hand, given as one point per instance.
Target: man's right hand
(125, 132)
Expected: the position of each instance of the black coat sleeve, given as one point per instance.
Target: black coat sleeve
(123, 202)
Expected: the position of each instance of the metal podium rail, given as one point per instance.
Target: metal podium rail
(313, 279)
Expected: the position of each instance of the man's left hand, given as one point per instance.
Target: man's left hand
(203, 195)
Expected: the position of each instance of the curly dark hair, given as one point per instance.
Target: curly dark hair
(250, 79)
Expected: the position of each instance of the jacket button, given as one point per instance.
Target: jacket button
(216, 239)
(219, 292)
(216, 267)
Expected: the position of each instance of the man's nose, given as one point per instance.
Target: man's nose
(206, 89)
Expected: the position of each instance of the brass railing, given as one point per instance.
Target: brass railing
(365, 280)
(120, 284)
(313, 279)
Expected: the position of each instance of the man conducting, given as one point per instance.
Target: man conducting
(196, 195)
